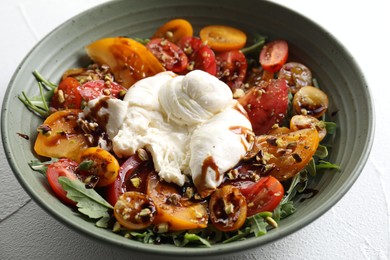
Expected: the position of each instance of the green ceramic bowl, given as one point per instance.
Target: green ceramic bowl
(337, 73)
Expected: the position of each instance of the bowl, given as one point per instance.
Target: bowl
(334, 68)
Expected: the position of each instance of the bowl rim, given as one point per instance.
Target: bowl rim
(194, 251)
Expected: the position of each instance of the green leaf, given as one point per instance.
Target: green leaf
(321, 152)
(330, 127)
(194, 238)
(258, 225)
(241, 235)
(326, 165)
(258, 43)
(86, 165)
(89, 202)
(41, 167)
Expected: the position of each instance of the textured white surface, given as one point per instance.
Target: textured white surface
(356, 228)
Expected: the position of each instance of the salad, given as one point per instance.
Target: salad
(183, 139)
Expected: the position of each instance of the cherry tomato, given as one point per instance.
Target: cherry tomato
(286, 154)
(190, 44)
(296, 74)
(310, 101)
(132, 176)
(264, 195)
(128, 59)
(172, 209)
(169, 54)
(101, 164)
(298, 122)
(274, 55)
(66, 95)
(60, 136)
(96, 88)
(228, 208)
(174, 30)
(134, 210)
(223, 38)
(62, 167)
(266, 104)
(231, 68)
(204, 59)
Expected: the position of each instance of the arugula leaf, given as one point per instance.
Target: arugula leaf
(258, 225)
(39, 104)
(194, 238)
(326, 165)
(89, 202)
(41, 167)
(258, 43)
(321, 152)
(330, 127)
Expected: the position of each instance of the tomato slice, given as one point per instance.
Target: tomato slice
(62, 167)
(174, 30)
(204, 59)
(223, 38)
(264, 195)
(297, 75)
(286, 154)
(190, 44)
(298, 122)
(132, 176)
(310, 101)
(100, 164)
(174, 210)
(169, 54)
(66, 95)
(266, 104)
(60, 136)
(128, 59)
(274, 55)
(96, 88)
(228, 208)
(134, 210)
(231, 68)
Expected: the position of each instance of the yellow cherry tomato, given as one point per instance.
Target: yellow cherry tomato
(128, 59)
(174, 30)
(95, 161)
(60, 137)
(223, 38)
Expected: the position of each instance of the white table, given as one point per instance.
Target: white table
(356, 228)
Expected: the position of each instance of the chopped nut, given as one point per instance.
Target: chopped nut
(136, 182)
(271, 221)
(189, 192)
(142, 154)
(145, 212)
(61, 96)
(44, 129)
(238, 93)
(162, 228)
(174, 199)
(117, 227)
(229, 208)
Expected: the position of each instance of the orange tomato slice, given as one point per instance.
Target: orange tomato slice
(60, 137)
(128, 59)
(287, 153)
(172, 209)
(174, 30)
(223, 38)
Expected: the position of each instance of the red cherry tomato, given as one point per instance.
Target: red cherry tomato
(96, 88)
(274, 55)
(66, 95)
(266, 104)
(231, 68)
(204, 59)
(190, 44)
(62, 167)
(131, 177)
(264, 195)
(169, 54)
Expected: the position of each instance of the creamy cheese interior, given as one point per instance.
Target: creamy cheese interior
(190, 124)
